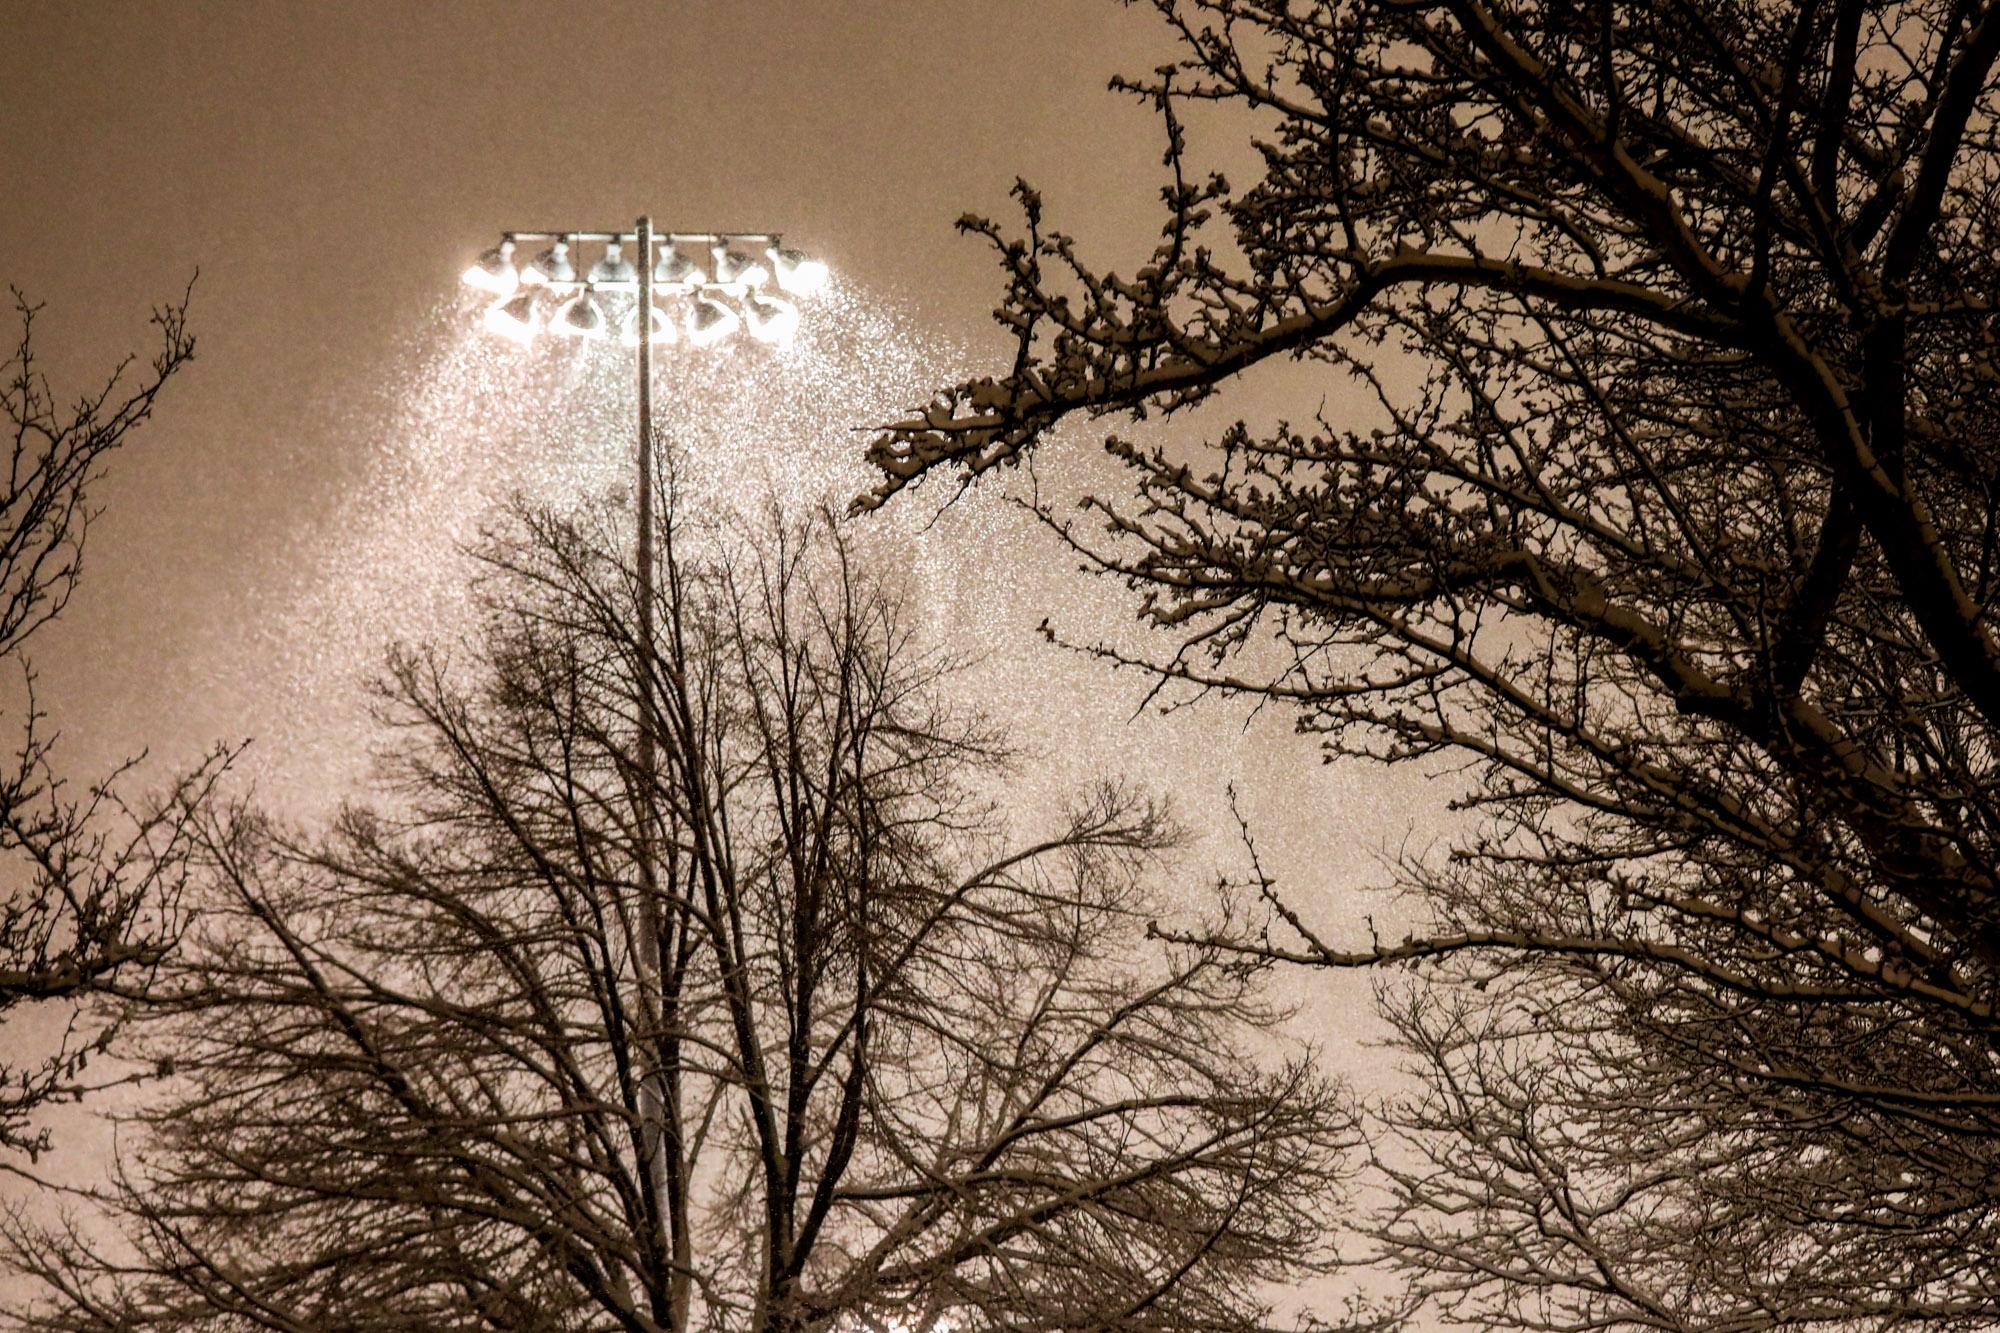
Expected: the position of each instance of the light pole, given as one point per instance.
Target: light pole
(713, 304)
(717, 301)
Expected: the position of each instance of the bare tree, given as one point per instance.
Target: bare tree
(778, 1032)
(1566, 1165)
(1684, 534)
(90, 879)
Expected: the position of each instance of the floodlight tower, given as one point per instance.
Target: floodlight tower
(713, 303)
(716, 302)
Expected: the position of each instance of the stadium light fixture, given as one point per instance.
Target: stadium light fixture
(713, 305)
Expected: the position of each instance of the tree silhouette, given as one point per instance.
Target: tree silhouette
(1683, 534)
(91, 879)
(841, 1054)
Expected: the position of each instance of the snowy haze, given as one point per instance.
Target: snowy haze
(305, 496)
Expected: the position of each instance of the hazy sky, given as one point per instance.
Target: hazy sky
(330, 168)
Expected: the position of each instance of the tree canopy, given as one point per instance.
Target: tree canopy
(1684, 536)
(91, 877)
(750, 1011)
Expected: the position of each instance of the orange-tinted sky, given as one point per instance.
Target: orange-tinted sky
(330, 167)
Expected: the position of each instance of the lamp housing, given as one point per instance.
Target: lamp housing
(797, 273)
(676, 272)
(710, 321)
(613, 269)
(494, 271)
(515, 319)
(581, 317)
(771, 319)
(661, 328)
(550, 266)
(737, 271)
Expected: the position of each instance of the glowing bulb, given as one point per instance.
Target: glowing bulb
(737, 271)
(614, 268)
(515, 319)
(494, 271)
(772, 320)
(796, 273)
(580, 317)
(676, 271)
(662, 328)
(551, 265)
(710, 322)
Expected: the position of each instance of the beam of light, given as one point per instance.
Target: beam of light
(662, 327)
(772, 320)
(710, 322)
(580, 317)
(676, 272)
(737, 271)
(797, 274)
(494, 271)
(614, 269)
(456, 421)
(516, 320)
(551, 265)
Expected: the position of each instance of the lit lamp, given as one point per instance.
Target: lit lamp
(551, 266)
(771, 320)
(676, 272)
(580, 317)
(709, 321)
(736, 271)
(660, 328)
(613, 269)
(516, 319)
(706, 306)
(797, 274)
(494, 271)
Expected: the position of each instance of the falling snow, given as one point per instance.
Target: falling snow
(472, 420)
(469, 420)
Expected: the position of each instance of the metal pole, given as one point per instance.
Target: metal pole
(653, 1092)
(644, 324)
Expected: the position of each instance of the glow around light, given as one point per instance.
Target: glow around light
(710, 321)
(516, 319)
(676, 272)
(614, 269)
(494, 271)
(551, 265)
(580, 317)
(737, 271)
(771, 319)
(663, 328)
(797, 274)
(706, 305)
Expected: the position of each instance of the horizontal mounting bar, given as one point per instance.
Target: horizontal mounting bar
(669, 237)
